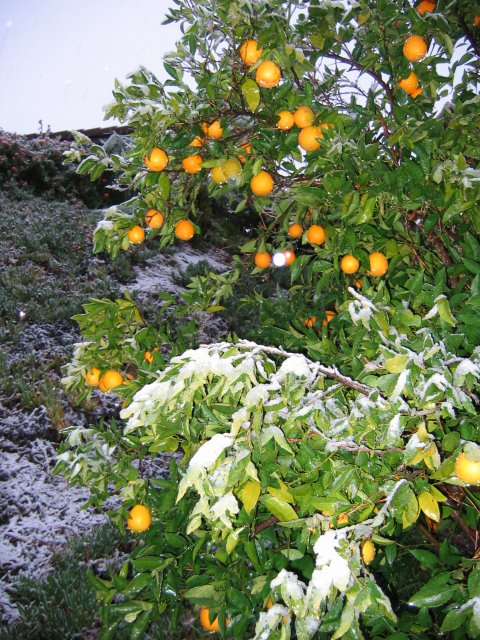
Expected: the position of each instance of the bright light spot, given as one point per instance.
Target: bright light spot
(106, 68)
(68, 81)
(279, 259)
(8, 24)
(22, 315)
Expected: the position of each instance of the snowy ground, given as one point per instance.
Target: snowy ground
(39, 513)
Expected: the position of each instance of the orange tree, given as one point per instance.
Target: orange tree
(327, 483)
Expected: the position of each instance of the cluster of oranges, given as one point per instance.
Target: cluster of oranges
(111, 379)
(415, 49)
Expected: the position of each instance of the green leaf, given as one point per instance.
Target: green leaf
(433, 594)
(280, 509)
(444, 312)
(454, 619)
(396, 364)
(250, 495)
(251, 93)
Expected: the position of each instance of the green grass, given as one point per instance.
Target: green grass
(63, 605)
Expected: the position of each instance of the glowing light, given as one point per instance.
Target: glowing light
(279, 259)
(9, 24)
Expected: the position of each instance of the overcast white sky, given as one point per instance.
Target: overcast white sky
(59, 58)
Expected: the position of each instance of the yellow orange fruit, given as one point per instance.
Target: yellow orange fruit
(342, 519)
(184, 230)
(218, 176)
(262, 183)
(213, 626)
(268, 74)
(197, 142)
(303, 117)
(214, 130)
(269, 603)
(92, 377)
(415, 48)
(410, 83)
(192, 164)
(285, 120)
(378, 264)
(329, 316)
(111, 379)
(262, 260)
(316, 234)
(349, 264)
(468, 471)
(368, 551)
(136, 234)
(476, 21)
(426, 6)
(232, 168)
(148, 357)
(295, 230)
(250, 53)
(310, 321)
(157, 160)
(358, 284)
(154, 219)
(309, 137)
(140, 518)
(416, 93)
(289, 256)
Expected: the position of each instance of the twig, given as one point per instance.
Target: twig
(264, 525)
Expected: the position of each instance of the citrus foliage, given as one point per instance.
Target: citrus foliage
(320, 488)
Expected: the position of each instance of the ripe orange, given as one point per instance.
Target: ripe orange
(262, 183)
(468, 471)
(268, 74)
(154, 219)
(378, 264)
(308, 138)
(426, 6)
(262, 260)
(205, 620)
(232, 168)
(289, 256)
(415, 48)
(140, 518)
(316, 234)
(303, 117)
(184, 230)
(214, 130)
(310, 321)
(416, 93)
(136, 234)
(342, 519)
(329, 316)
(349, 264)
(410, 83)
(476, 21)
(250, 53)
(192, 164)
(368, 551)
(217, 174)
(197, 142)
(92, 377)
(148, 357)
(269, 603)
(111, 379)
(295, 230)
(286, 121)
(157, 160)
(358, 284)
(246, 150)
